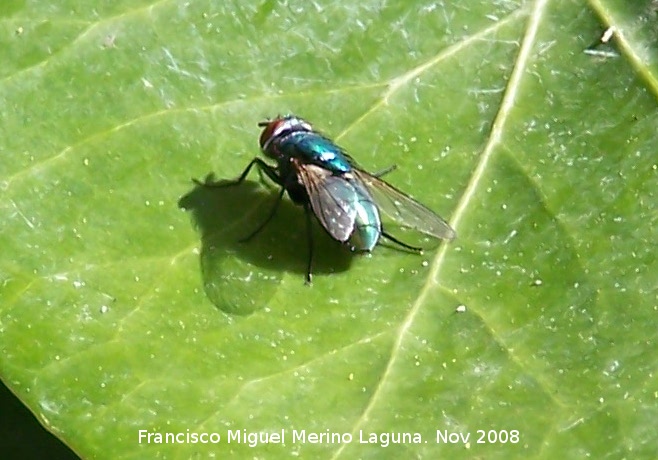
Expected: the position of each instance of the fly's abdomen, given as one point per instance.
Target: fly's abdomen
(367, 223)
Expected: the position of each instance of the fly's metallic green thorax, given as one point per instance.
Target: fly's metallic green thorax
(346, 200)
(291, 137)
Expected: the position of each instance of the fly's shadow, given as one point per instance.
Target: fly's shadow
(225, 213)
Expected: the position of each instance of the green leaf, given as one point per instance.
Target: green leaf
(127, 302)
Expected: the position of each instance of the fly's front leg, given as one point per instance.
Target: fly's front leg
(269, 171)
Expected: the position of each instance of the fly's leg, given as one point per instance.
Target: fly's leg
(385, 171)
(266, 221)
(404, 245)
(270, 172)
(309, 231)
(263, 167)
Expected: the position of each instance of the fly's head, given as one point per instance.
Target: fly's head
(279, 128)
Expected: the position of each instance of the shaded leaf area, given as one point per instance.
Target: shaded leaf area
(129, 303)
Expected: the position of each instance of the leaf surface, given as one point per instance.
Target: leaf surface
(128, 303)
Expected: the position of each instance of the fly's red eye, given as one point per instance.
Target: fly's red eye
(268, 131)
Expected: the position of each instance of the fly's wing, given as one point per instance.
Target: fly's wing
(404, 209)
(332, 199)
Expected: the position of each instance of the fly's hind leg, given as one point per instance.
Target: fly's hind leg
(390, 237)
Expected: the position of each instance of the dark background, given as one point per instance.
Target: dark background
(22, 437)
